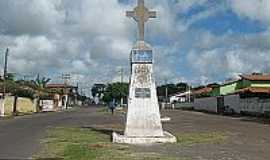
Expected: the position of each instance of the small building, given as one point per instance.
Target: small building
(64, 95)
(245, 81)
(202, 92)
(181, 97)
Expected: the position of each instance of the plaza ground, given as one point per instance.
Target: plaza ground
(201, 136)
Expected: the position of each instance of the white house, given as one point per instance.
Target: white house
(180, 97)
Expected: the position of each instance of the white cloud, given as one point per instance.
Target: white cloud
(91, 38)
(229, 56)
(253, 9)
(185, 5)
(29, 16)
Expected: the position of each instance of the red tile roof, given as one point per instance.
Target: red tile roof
(202, 90)
(254, 90)
(256, 77)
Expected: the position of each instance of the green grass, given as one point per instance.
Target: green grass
(87, 144)
(103, 110)
(201, 138)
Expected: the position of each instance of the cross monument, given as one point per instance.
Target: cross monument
(141, 15)
(143, 122)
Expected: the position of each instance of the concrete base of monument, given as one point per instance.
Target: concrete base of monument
(167, 138)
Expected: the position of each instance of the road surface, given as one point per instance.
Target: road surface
(248, 138)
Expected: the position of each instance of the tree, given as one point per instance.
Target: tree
(172, 89)
(182, 87)
(10, 77)
(40, 84)
(116, 91)
(98, 89)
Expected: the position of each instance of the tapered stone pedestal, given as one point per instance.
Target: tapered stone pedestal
(143, 123)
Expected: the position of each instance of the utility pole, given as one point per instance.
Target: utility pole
(122, 74)
(4, 86)
(189, 93)
(6, 64)
(66, 78)
(122, 80)
(166, 90)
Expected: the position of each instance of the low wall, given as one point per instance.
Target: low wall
(233, 102)
(250, 105)
(9, 100)
(184, 105)
(24, 105)
(208, 104)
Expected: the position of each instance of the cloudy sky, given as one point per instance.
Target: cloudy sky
(199, 41)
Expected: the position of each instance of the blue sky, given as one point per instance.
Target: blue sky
(196, 41)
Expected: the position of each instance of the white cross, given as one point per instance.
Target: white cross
(141, 14)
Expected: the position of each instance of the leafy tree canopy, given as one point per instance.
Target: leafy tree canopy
(116, 91)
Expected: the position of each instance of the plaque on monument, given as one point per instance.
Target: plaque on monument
(142, 93)
(142, 56)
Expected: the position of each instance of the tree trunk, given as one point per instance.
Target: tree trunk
(15, 105)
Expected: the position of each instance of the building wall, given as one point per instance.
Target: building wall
(245, 83)
(24, 105)
(233, 102)
(206, 104)
(260, 84)
(215, 92)
(226, 89)
(250, 105)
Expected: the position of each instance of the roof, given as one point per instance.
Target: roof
(180, 94)
(202, 90)
(59, 86)
(256, 77)
(254, 90)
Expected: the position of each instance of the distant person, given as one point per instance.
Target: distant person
(112, 106)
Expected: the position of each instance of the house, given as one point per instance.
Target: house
(181, 97)
(202, 92)
(253, 82)
(248, 94)
(64, 95)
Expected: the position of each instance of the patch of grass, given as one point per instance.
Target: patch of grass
(201, 138)
(89, 144)
(103, 110)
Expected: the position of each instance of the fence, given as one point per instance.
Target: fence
(209, 104)
(24, 105)
(185, 106)
(254, 105)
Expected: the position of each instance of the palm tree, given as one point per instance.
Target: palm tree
(40, 85)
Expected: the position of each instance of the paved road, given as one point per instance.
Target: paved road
(20, 137)
(247, 139)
